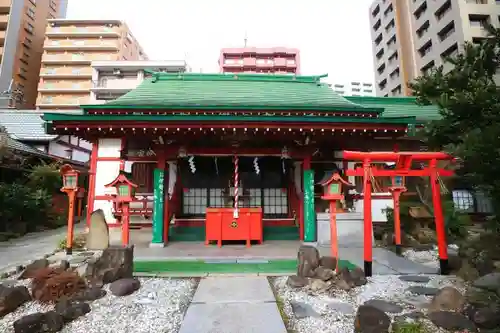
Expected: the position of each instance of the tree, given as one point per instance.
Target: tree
(469, 103)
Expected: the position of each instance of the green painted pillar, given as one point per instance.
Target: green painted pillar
(158, 205)
(309, 213)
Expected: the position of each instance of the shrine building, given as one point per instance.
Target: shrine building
(198, 144)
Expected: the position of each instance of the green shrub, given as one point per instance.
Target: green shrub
(78, 242)
(407, 327)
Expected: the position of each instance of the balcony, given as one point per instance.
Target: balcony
(279, 62)
(74, 58)
(4, 20)
(78, 45)
(56, 32)
(249, 62)
(67, 73)
(115, 85)
(64, 88)
(5, 6)
(66, 101)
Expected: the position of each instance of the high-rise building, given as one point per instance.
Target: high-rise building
(354, 88)
(22, 32)
(279, 60)
(69, 49)
(411, 37)
(112, 79)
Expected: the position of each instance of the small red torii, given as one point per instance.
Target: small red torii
(403, 165)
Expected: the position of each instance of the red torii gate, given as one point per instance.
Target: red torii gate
(403, 165)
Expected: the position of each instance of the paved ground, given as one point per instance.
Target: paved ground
(21, 251)
(238, 304)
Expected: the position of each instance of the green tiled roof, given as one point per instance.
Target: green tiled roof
(398, 107)
(51, 117)
(233, 92)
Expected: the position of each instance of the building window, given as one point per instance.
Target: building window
(377, 25)
(447, 31)
(76, 71)
(47, 99)
(472, 202)
(275, 202)
(443, 10)
(420, 10)
(425, 49)
(396, 91)
(31, 12)
(423, 29)
(480, 21)
(29, 28)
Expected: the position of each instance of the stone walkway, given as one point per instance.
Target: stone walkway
(21, 251)
(237, 304)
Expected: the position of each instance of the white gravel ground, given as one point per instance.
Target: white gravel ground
(386, 287)
(158, 306)
(428, 258)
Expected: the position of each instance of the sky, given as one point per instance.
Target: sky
(333, 36)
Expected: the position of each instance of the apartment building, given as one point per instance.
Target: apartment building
(112, 79)
(412, 36)
(354, 88)
(69, 49)
(22, 32)
(279, 60)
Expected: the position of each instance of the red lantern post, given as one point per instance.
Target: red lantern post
(332, 191)
(397, 188)
(70, 187)
(125, 191)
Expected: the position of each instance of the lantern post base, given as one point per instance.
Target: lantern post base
(69, 251)
(156, 245)
(444, 268)
(368, 268)
(399, 249)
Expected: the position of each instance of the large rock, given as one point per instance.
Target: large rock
(33, 268)
(323, 273)
(308, 261)
(48, 322)
(98, 235)
(115, 263)
(487, 317)
(328, 262)
(12, 297)
(358, 277)
(448, 299)
(371, 320)
(124, 287)
(70, 310)
(452, 321)
(295, 281)
(303, 310)
(91, 294)
(489, 282)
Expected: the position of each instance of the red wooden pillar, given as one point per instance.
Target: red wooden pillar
(439, 218)
(367, 216)
(92, 175)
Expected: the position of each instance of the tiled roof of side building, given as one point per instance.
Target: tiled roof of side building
(24, 125)
(398, 107)
(233, 92)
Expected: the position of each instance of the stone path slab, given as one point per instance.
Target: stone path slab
(254, 289)
(23, 250)
(240, 304)
(385, 262)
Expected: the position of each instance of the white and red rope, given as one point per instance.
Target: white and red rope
(236, 187)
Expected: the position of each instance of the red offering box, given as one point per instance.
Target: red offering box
(222, 226)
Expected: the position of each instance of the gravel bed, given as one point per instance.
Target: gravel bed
(158, 306)
(428, 258)
(386, 287)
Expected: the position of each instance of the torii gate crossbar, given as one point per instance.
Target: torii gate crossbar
(403, 162)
